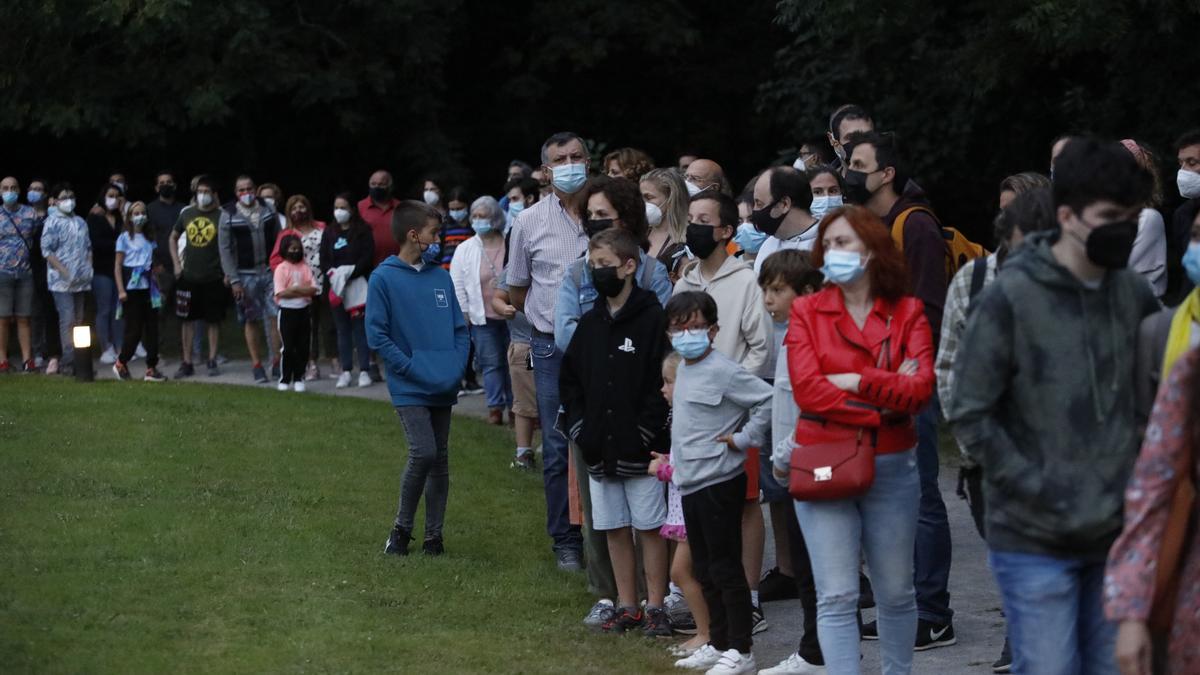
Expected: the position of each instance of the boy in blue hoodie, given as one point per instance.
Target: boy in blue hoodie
(415, 324)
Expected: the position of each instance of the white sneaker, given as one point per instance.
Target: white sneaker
(734, 662)
(282, 386)
(299, 387)
(794, 665)
(344, 380)
(702, 659)
(364, 380)
(109, 357)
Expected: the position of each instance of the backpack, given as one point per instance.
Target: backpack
(959, 249)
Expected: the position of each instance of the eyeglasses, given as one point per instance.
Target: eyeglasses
(695, 330)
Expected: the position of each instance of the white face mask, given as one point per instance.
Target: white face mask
(431, 197)
(269, 201)
(111, 203)
(653, 214)
(203, 199)
(139, 219)
(66, 206)
(246, 199)
(692, 188)
(342, 216)
(1188, 183)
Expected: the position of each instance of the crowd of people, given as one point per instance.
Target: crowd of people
(690, 352)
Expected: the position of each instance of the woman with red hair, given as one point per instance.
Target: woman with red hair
(860, 355)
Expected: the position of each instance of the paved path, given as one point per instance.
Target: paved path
(978, 623)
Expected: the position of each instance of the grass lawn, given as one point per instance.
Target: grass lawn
(203, 528)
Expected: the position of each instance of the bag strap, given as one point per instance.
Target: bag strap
(17, 231)
(978, 276)
(902, 220)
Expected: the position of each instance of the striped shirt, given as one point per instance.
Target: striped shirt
(545, 240)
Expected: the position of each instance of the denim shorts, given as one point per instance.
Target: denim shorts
(258, 298)
(621, 502)
(16, 295)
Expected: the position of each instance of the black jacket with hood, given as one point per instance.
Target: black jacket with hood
(1044, 402)
(611, 386)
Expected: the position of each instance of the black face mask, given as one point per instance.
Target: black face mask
(379, 194)
(1109, 245)
(700, 240)
(607, 282)
(166, 191)
(856, 191)
(294, 256)
(597, 225)
(766, 223)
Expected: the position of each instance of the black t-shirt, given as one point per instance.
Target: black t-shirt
(161, 217)
(104, 243)
(201, 258)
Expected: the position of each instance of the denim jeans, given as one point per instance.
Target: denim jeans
(351, 335)
(70, 308)
(428, 468)
(109, 329)
(1055, 612)
(547, 361)
(882, 524)
(931, 561)
(491, 353)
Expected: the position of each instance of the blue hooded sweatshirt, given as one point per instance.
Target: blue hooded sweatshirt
(416, 326)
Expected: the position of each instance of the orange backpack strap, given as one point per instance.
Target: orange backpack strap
(902, 220)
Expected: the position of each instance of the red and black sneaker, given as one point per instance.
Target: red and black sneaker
(154, 375)
(5, 367)
(121, 370)
(30, 367)
(623, 620)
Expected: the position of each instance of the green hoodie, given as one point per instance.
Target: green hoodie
(1044, 401)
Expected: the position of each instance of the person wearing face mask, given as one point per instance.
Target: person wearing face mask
(712, 219)
(300, 222)
(812, 155)
(847, 119)
(161, 214)
(272, 195)
(706, 175)
(431, 194)
(246, 234)
(133, 270)
(376, 210)
(860, 359)
(1187, 181)
(103, 228)
(781, 199)
(415, 324)
(17, 224)
(827, 188)
(295, 287)
(666, 200)
(546, 239)
(200, 291)
(517, 171)
(1050, 415)
(67, 248)
(475, 269)
(456, 227)
(873, 176)
(44, 323)
(610, 202)
(747, 237)
(519, 195)
(1149, 256)
(347, 258)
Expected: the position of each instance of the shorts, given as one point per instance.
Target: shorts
(258, 298)
(201, 300)
(752, 475)
(621, 502)
(524, 393)
(16, 295)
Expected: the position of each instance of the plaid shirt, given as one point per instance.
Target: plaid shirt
(545, 240)
(954, 324)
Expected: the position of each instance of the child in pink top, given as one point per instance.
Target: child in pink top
(294, 290)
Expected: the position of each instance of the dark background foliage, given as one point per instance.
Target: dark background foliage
(315, 95)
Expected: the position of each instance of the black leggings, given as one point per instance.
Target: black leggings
(141, 325)
(294, 332)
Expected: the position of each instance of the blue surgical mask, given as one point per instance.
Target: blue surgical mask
(843, 267)
(432, 255)
(822, 205)
(34, 196)
(514, 208)
(458, 215)
(749, 238)
(692, 343)
(570, 177)
(481, 225)
(1191, 262)
(10, 197)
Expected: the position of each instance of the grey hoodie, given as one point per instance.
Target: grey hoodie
(745, 333)
(1044, 401)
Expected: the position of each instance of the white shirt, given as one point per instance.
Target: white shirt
(801, 242)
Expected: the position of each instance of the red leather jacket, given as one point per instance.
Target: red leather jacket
(822, 339)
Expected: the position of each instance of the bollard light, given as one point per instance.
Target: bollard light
(81, 338)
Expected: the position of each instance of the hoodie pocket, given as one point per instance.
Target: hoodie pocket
(436, 370)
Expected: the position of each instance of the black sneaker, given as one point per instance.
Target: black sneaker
(624, 620)
(185, 370)
(777, 586)
(932, 635)
(758, 622)
(397, 543)
(275, 371)
(433, 546)
(568, 560)
(374, 374)
(213, 370)
(154, 375)
(869, 631)
(1004, 664)
(657, 624)
(526, 461)
(121, 371)
(260, 374)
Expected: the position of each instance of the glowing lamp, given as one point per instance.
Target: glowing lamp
(81, 338)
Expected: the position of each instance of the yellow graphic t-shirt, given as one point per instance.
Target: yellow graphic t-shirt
(201, 258)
